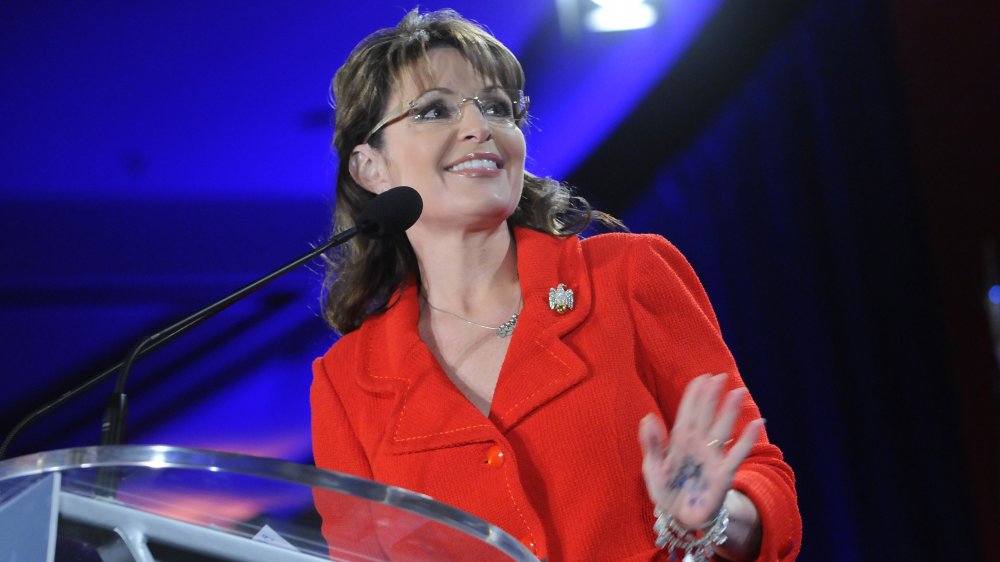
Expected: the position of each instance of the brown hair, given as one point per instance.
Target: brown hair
(363, 274)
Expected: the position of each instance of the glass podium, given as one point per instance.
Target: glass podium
(159, 503)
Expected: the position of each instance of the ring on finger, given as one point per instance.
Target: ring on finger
(718, 443)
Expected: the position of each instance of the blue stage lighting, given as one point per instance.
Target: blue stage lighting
(994, 294)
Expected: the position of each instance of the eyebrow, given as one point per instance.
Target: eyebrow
(444, 90)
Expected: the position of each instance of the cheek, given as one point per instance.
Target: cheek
(516, 153)
(416, 161)
(518, 148)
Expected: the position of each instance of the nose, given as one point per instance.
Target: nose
(474, 124)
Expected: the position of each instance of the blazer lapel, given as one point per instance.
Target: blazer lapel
(539, 366)
(429, 412)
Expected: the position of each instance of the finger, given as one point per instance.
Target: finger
(652, 436)
(709, 403)
(689, 400)
(743, 445)
(723, 426)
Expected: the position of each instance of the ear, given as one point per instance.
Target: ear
(369, 169)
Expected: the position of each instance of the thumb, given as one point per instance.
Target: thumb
(652, 436)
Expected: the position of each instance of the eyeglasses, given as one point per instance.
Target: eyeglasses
(502, 107)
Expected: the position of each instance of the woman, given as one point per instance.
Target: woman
(493, 360)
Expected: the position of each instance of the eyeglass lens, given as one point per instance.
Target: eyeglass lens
(496, 105)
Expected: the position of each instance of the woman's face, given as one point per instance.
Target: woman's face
(470, 172)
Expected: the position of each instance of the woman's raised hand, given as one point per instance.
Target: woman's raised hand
(688, 478)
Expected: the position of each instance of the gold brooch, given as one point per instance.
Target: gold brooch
(561, 299)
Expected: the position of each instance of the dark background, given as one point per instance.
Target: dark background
(830, 168)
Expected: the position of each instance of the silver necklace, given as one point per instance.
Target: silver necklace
(502, 331)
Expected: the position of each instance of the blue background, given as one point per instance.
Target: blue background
(827, 167)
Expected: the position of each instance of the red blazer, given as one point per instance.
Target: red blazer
(557, 463)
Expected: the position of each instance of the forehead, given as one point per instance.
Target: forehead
(444, 67)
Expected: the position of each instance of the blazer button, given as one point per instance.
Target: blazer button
(495, 456)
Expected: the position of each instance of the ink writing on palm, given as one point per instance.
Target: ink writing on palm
(689, 478)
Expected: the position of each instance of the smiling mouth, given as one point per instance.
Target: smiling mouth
(476, 164)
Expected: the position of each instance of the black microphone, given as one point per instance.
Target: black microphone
(388, 214)
(391, 212)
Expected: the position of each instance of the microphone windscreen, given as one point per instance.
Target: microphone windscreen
(391, 212)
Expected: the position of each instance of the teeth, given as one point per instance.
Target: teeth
(468, 164)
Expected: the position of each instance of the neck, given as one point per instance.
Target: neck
(469, 273)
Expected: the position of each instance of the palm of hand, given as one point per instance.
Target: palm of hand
(689, 479)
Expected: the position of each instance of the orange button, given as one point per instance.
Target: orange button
(495, 456)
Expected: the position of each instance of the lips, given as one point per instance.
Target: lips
(476, 162)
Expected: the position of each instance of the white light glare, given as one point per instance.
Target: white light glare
(620, 15)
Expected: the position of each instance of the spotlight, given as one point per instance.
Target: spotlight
(618, 15)
(576, 16)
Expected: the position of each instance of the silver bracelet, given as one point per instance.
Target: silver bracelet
(698, 543)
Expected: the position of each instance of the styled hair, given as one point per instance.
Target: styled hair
(363, 275)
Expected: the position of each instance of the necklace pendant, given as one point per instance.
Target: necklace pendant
(507, 328)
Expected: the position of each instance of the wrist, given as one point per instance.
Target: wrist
(745, 529)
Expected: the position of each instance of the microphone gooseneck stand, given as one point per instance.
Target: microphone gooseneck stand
(113, 427)
(116, 411)
(388, 214)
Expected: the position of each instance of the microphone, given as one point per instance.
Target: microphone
(389, 214)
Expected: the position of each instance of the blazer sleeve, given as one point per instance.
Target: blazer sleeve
(679, 339)
(335, 445)
(348, 524)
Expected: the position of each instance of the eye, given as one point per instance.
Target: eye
(496, 106)
(433, 110)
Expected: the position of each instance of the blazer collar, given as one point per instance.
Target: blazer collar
(432, 413)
